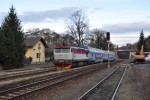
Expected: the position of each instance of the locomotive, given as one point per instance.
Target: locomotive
(71, 56)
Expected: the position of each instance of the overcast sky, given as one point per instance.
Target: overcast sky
(124, 19)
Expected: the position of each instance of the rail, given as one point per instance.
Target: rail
(91, 91)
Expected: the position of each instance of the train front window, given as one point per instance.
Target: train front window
(57, 50)
(62, 50)
(65, 50)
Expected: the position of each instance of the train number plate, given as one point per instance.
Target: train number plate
(61, 60)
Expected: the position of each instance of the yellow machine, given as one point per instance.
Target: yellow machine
(140, 57)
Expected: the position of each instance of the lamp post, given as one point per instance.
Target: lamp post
(39, 47)
(108, 38)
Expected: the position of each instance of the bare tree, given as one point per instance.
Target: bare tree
(67, 39)
(51, 37)
(78, 27)
(98, 39)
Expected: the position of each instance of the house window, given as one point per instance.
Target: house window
(38, 55)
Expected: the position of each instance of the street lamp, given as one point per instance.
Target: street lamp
(39, 47)
(108, 38)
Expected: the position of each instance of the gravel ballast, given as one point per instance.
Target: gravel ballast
(136, 83)
(72, 89)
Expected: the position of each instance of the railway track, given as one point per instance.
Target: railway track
(27, 89)
(107, 88)
(12, 80)
(24, 73)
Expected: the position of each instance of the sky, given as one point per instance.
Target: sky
(124, 19)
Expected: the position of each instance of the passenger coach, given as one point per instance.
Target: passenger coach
(95, 55)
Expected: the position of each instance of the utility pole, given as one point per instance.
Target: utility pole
(108, 38)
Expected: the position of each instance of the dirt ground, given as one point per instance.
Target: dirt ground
(136, 83)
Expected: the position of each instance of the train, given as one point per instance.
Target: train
(70, 56)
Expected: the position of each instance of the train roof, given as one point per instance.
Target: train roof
(65, 47)
(92, 49)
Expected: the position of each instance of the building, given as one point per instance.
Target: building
(35, 49)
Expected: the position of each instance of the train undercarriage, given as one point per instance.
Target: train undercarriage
(71, 65)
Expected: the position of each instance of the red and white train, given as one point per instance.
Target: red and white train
(70, 56)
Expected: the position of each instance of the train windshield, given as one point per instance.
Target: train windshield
(60, 50)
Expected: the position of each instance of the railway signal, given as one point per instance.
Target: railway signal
(108, 38)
